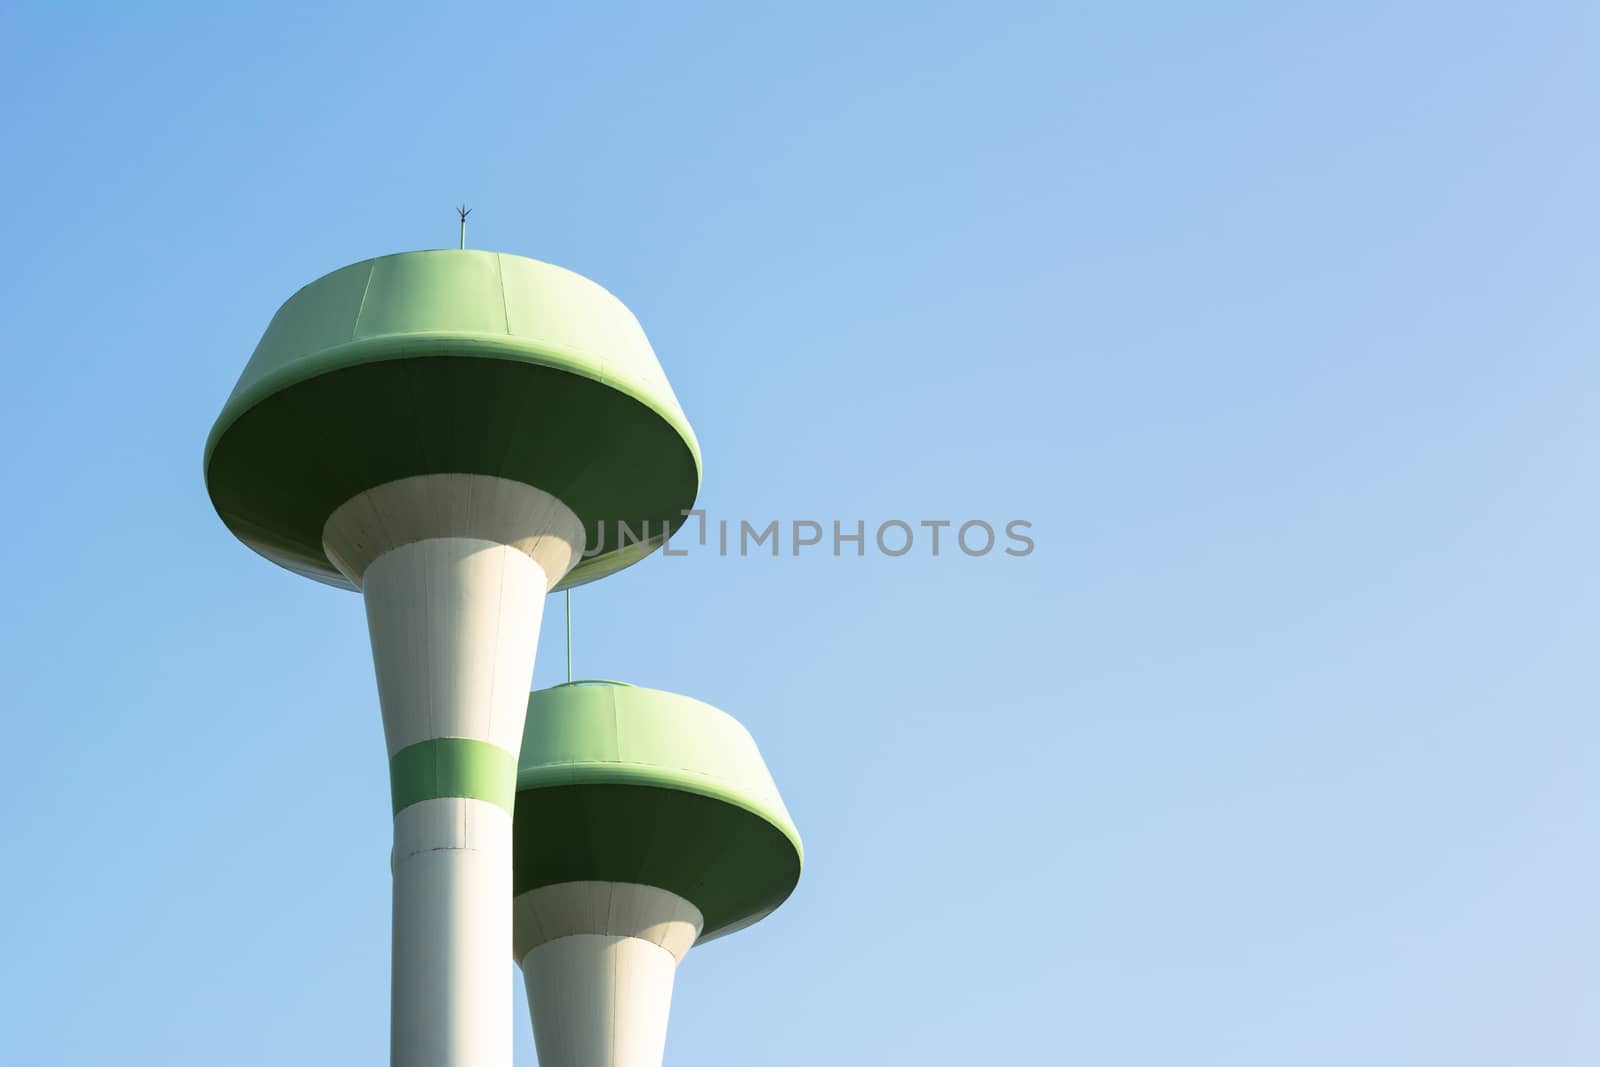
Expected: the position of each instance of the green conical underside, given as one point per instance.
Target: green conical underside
(442, 362)
(618, 783)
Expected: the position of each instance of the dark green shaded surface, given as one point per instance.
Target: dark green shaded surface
(623, 783)
(283, 466)
(452, 767)
(731, 864)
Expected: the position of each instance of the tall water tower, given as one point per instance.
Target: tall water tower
(449, 432)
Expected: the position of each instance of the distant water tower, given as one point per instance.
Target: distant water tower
(448, 431)
(646, 823)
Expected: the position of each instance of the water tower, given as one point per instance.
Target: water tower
(455, 434)
(646, 823)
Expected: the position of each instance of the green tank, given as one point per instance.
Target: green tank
(452, 361)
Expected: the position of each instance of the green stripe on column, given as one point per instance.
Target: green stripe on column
(452, 767)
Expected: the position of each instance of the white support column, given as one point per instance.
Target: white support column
(454, 570)
(450, 1002)
(599, 959)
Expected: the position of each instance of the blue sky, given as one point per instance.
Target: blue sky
(1277, 322)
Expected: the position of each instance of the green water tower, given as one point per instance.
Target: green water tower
(455, 434)
(646, 823)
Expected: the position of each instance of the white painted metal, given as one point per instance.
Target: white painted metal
(656, 915)
(454, 570)
(599, 1000)
(451, 1002)
(453, 505)
(598, 960)
(454, 624)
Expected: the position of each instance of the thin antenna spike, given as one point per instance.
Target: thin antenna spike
(463, 211)
(569, 635)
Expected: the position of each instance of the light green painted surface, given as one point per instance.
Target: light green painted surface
(621, 783)
(529, 309)
(451, 361)
(628, 734)
(452, 767)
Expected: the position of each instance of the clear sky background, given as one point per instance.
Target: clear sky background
(1277, 321)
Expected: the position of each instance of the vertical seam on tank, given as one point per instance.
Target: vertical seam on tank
(372, 268)
(616, 728)
(505, 304)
